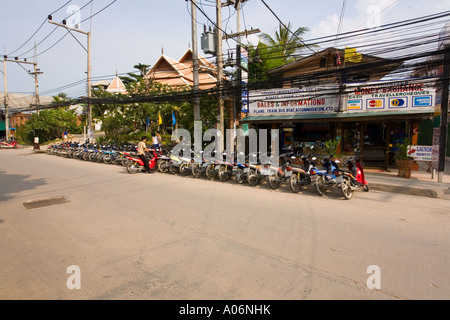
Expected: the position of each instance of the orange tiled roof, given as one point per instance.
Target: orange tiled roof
(117, 86)
(180, 73)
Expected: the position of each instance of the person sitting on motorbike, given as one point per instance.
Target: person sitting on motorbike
(142, 149)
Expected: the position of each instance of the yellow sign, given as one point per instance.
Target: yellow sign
(351, 55)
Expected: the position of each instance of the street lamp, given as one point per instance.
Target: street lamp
(88, 50)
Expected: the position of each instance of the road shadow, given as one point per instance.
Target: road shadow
(15, 183)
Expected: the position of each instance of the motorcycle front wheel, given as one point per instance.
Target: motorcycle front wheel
(197, 171)
(294, 183)
(273, 181)
(224, 174)
(320, 186)
(185, 169)
(240, 176)
(253, 178)
(133, 167)
(346, 189)
(210, 172)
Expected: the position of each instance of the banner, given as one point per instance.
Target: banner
(390, 96)
(323, 99)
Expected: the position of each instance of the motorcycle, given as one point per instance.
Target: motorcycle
(258, 172)
(135, 164)
(283, 173)
(330, 176)
(9, 145)
(354, 179)
(163, 164)
(180, 164)
(226, 168)
(303, 175)
(240, 171)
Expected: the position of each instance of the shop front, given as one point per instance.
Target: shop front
(367, 120)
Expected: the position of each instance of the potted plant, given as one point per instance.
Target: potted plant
(331, 147)
(403, 158)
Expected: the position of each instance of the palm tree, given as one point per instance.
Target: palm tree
(286, 43)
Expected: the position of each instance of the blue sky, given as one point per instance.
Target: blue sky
(135, 31)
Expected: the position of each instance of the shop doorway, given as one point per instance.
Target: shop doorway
(380, 141)
(375, 142)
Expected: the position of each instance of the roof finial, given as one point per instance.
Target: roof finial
(162, 50)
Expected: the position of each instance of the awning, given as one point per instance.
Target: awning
(342, 116)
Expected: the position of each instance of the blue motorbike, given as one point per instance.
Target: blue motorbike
(330, 176)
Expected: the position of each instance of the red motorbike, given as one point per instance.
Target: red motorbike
(353, 179)
(9, 145)
(135, 164)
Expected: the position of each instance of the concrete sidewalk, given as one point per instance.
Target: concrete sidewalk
(420, 183)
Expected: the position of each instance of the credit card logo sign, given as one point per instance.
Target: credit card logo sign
(376, 104)
(398, 103)
(354, 105)
(425, 101)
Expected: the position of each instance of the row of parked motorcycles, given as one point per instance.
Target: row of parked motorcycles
(284, 171)
(322, 174)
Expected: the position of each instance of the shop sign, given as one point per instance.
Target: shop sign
(435, 152)
(294, 101)
(390, 96)
(421, 153)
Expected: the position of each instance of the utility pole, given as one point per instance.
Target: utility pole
(36, 72)
(89, 77)
(197, 116)
(36, 81)
(220, 68)
(6, 100)
(444, 113)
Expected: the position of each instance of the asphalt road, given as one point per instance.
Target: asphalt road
(164, 237)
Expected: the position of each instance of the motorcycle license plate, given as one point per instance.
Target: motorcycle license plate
(314, 178)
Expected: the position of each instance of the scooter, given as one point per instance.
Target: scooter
(240, 170)
(180, 164)
(330, 176)
(283, 173)
(305, 175)
(10, 145)
(354, 179)
(260, 171)
(163, 164)
(226, 168)
(135, 164)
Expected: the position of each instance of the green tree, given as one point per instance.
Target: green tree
(49, 125)
(275, 51)
(285, 44)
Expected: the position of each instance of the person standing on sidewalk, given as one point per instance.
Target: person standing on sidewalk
(157, 140)
(142, 149)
